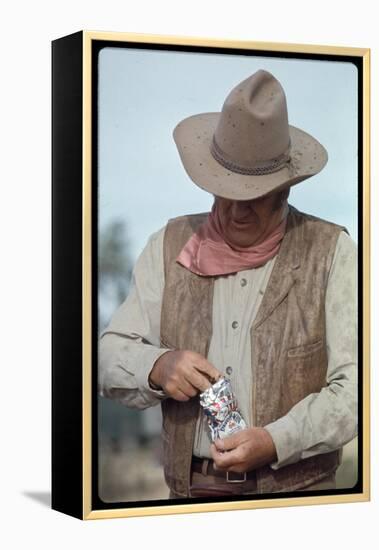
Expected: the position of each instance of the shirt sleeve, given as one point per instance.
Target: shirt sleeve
(324, 422)
(130, 344)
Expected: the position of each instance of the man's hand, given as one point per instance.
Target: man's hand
(183, 374)
(244, 451)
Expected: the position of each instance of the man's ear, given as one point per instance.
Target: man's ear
(281, 197)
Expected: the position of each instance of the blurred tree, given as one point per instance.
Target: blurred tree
(115, 266)
(115, 269)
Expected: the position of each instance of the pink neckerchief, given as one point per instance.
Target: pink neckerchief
(206, 253)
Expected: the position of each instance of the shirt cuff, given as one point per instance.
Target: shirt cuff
(147, 358)
(285, 435)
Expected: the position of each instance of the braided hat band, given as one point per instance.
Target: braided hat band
(265, 167)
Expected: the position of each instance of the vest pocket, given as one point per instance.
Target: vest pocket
(302, 351)
(304, 372)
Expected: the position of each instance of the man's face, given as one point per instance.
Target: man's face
(247, 223)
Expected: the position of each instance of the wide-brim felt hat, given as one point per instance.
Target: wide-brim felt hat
(248, 150)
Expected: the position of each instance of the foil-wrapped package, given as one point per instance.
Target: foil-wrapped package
(220, 407)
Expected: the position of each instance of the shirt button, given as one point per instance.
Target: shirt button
(243, 282)
(229, 370)
(235, 324)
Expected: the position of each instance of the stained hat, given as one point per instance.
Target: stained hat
(249, 149)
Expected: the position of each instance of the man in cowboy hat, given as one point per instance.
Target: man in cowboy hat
(255, 291)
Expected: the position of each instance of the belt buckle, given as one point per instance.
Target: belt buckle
(238, 480)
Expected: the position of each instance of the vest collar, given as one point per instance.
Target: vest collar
(284, 274)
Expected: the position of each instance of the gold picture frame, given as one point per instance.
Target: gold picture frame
(74, 80)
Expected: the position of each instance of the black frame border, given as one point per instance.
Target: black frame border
(97, 46)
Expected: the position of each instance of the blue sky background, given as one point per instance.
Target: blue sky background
(143, 94)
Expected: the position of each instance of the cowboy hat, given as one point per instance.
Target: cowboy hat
(249, 149)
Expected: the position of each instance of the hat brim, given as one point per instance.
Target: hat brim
(193, 137)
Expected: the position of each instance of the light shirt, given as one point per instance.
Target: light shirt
(321, 422)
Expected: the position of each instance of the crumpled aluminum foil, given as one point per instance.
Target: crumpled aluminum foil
(220, 407)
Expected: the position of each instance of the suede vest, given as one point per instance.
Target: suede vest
(288, 343)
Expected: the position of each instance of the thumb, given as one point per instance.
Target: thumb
(228, 443)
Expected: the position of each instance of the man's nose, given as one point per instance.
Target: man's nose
(240, 209)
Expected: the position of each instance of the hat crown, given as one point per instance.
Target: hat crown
(253, 131)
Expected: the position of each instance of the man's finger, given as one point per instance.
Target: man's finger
(179, 396)
(207, 368)
(187, 388)
(229, 443)
(223, 461)
(198, 380)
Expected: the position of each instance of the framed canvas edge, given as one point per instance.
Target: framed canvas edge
(66, 250)
(88, 38)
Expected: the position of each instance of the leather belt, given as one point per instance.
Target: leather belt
(206, 467)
